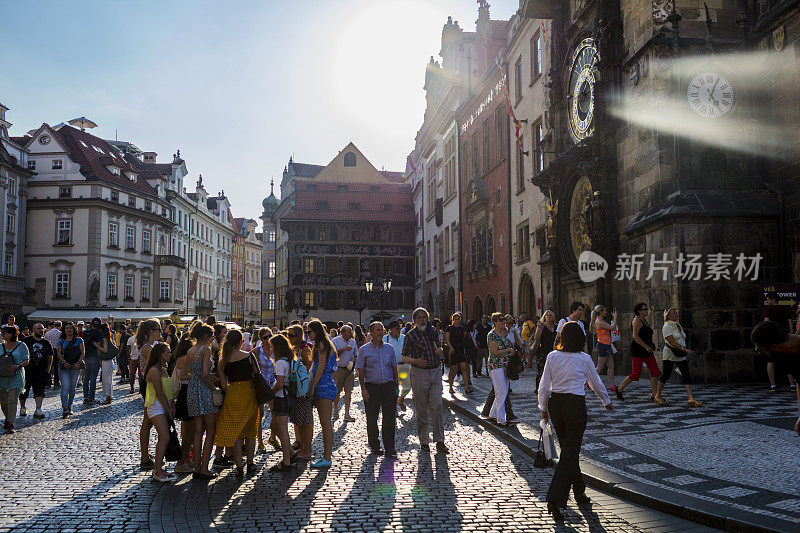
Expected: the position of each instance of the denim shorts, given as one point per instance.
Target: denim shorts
(604, 350)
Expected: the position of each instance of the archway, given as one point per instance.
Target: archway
(490, 306)
(527, 296)
(478, 309)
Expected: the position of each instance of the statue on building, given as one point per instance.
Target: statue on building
(594, 218)
(94, 288)
(552, 211)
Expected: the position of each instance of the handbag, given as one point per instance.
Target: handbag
(539, 458)
(547, 440)
(6, 362)
(173, 451)
(218, 397)
(264, 393)
(112, 352)
(515, 366)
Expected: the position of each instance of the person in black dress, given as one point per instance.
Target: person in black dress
(454, 340)
(543, 340)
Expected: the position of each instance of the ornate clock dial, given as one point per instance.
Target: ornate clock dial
(710, 95)
(661, 10)
(581, 90)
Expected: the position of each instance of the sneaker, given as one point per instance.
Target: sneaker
(184, 468)
(23, 412)
(441, 448)
(38, 414)
(65, 413)
(613, 389)
(425, 446)
(376, 451)
(320, 463)
(620, 397)
(166, 479)
(773, 388)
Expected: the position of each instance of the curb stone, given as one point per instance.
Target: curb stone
(695, 509)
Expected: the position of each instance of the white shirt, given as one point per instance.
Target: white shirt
(282, 369)
(397, 344)
(513, 334)
(565, 320)
(345, 357)
(565, 373)
(53, 336)
(133, 351)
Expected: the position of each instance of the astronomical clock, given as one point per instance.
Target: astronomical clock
(581, 90)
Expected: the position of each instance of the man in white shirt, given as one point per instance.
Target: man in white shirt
(346, 351)
(576, 310)
(396, 340)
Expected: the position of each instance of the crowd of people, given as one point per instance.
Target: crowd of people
(219, 383)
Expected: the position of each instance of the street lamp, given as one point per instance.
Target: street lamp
(384, 287)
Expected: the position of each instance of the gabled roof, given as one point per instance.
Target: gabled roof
(22, 141)
(363, 171)
(237, 224)
(94, 163)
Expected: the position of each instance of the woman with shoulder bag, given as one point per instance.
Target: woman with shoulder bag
(200, 398)
(70, 352)
(674, 354)
(12, 380)
(107, 351)
(500, 351)
(280, 405)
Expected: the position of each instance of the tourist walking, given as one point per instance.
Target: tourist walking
(158, 402)
(200, 398)
(134, 375)
(70, 353)
(148, 333)
(396, 340)
(775, 342)
(13, 360)
(93, 338)
(346, 351)
(238, 419)
(322, 388)
(379, 381)
(642, 352)
(423, 351)
(121, 340)
(781, 314)
(562, 402)
(301, 414)
(604, 348)
(53, 335)
(107, 352)
(500, 351)
(283, 354)
(527, 328)
(674, 354)
(37, 371)
(576, 310)
(482, 359)
(543, 341)
(454, 339)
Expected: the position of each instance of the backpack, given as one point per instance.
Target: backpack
(298, 379)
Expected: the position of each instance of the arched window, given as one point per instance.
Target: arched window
(349, 159)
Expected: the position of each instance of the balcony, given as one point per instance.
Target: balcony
(171, 260)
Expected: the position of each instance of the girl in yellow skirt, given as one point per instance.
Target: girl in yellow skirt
(238, 419)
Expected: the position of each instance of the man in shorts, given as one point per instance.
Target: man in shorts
(346, 351)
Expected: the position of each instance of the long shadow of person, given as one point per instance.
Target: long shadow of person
(371, 500)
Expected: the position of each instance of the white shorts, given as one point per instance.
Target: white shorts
(155, 410)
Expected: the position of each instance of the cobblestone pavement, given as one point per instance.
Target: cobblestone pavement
(79, 474)
(738, 449)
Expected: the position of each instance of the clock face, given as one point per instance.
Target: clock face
(661, 10)
(710, 95)
(581, 90)
(44, 139)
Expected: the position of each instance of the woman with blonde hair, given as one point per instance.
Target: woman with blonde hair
(604, 348)
(543, 340)
(674, 354)
(238, 420)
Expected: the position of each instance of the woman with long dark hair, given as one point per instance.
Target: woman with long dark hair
(280, 405)
(455, 341)
(604, 348)
(302, 412)
(147, 335)
(358, 335)
(158, 398)
(70, 352)
(106, 365)
(200, 398)
(562, 401)
(10, 386)
(238, 420)
(322, 388)
(543, 340)
(181, 375)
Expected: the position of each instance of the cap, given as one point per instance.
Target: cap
(81, 323)
(96, 320)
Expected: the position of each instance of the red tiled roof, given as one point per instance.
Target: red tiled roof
(22, 141)
(237, 224)
(94, 163)
(397, 177)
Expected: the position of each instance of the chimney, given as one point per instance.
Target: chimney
(149, 157)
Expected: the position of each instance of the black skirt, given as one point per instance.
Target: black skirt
(181, 407)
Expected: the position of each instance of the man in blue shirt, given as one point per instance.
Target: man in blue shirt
(377, 374)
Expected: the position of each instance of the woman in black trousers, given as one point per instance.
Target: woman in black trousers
(562, 401)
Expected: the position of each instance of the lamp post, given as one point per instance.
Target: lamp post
(384, 287)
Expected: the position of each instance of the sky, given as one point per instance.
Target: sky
(237, 86)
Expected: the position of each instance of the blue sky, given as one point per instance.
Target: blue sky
(237, 86)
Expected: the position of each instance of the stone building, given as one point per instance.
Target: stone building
(246, 273)
(269, 266)
(483, 154)
(339, 226)
(655, 137)
(14, 176)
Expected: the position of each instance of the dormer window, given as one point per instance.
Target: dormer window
(114, 170)
(131, 176)
(84, 144)
(96, 149)
(349, 159)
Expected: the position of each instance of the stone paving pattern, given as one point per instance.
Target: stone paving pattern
(738, 449)
(79, 474)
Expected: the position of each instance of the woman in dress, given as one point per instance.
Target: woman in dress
(280, 405)
(11, 385)
(158, 397)
(181, 375)
(674, 354)
(605, 352)
(238, 419)
(642, 352)
(147, 334)
(500, 351)
(200, 399)
(263, 353)
(70, 352)
(543, 340)
(562, 401)
(454, 339)
(301, 413)
(322, 387)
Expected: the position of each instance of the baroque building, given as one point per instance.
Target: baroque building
(14, 176)
(246, 272)
(340, 226)
(659, 165)
(269, 265)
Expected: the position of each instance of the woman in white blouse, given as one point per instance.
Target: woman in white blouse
(562, 401)
(674, 354)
